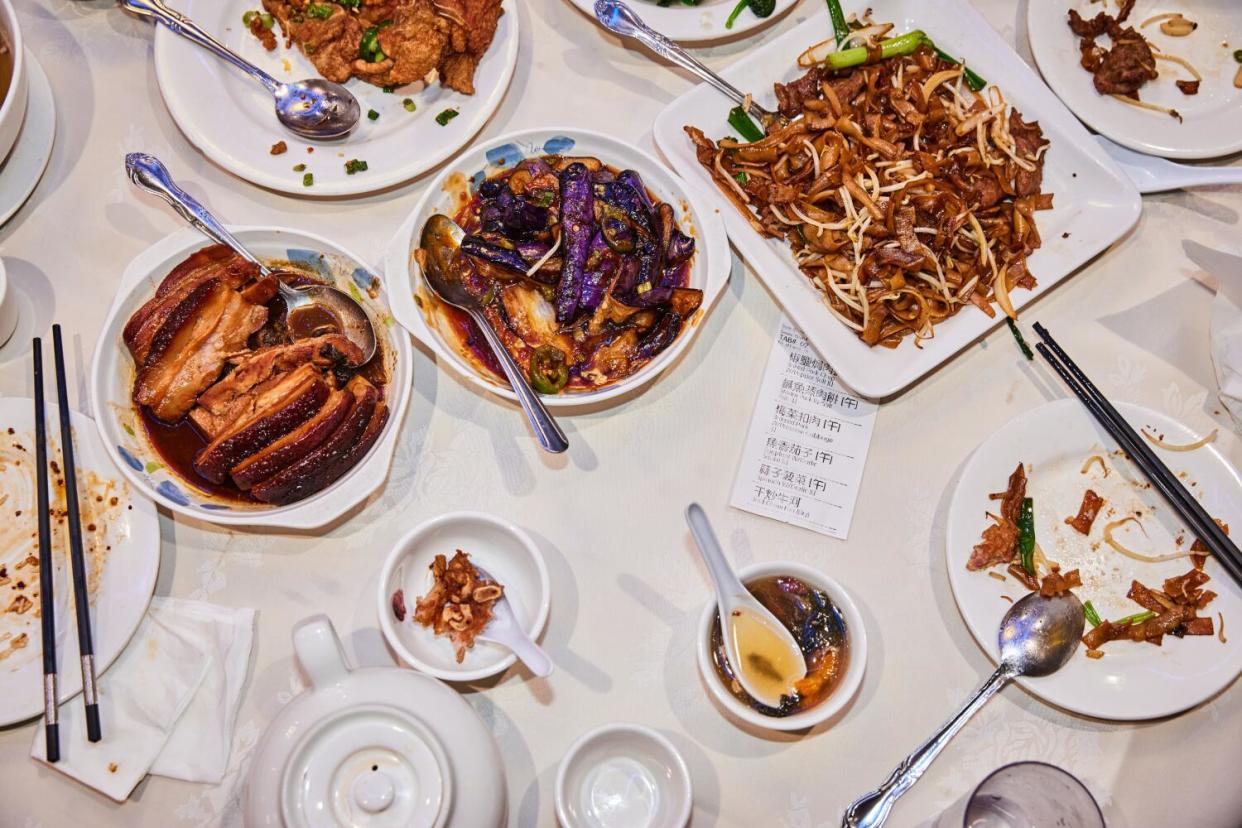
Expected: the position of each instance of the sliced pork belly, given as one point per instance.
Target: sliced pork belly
(183, 347)
(296, 444)
(351, 440)
(234, 398)
(280, 410)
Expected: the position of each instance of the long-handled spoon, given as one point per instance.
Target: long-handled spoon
(313, 108)
(149, 173)
(763, 653)
(1158, 175)
(505, 630)
(617, 17)
(1037, 636)
(440, 240)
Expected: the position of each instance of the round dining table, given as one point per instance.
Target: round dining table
(626, 584)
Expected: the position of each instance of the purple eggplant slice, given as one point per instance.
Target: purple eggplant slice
(494, 255)
(577, 231)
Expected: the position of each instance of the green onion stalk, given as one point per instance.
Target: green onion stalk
(840, 28)
(743, 125)
(1026, 535)
(1093, 617)
(898, 46)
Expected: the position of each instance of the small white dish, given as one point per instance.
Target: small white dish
(701, 23)
(414, 307)
(1211, 123)
(377, 747)
(229, 117)
(8, 307)
(112, 379)
(504, 549)
(847, 685)
(1094, 202)
(1132, 681)
(21, 172)
(623, 776)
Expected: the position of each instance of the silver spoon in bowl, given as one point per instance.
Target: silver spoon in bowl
(314, 108)
(149, 173)
(440, 239)
(1037, 636)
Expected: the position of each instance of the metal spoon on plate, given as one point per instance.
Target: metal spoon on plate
(1037, 636)
(505, 630)
(314, 108)
(745, 624)
(617, 17)
(440, 241)
(149, 173)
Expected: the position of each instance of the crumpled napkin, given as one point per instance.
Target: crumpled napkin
(168, 704)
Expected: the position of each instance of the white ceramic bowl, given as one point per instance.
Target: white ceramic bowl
(498, 546)
(413, 307)
(623, 774)
(856, 637)
(112, 380)
(13, 110)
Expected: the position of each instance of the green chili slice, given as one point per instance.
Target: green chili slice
(1026, 535)
(548, 371)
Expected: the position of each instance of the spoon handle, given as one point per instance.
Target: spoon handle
(547, 432)
(727, 583)
(149, 173)
(527, 651)
(871, 809)
(619, 18)
(178, 23)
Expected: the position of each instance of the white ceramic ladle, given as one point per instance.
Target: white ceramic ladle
(732, 601)
(505, 630)
(1158, 175)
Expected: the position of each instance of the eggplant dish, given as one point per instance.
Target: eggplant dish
(581, 272)
(232, 401)
(905, 187)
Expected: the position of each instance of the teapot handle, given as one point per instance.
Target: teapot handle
(319, 651)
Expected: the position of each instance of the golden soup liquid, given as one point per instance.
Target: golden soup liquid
(6, 68)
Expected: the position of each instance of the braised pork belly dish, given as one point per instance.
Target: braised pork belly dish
(389, 42)
(236, 404)
(905, 187)
(582, 273)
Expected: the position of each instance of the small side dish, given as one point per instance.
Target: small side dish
(240, 401)
(816, 624)
(458, 604)
(580, 270)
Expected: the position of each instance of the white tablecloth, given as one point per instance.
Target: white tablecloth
(627, 589)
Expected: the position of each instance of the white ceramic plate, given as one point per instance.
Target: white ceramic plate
(1132, 681)
(229, 116)
(112, 378)
(501, 548)
(32, 150)
(1212, 119)
(124, 575)
(696, 24)
(413, 307)
(1095, 204)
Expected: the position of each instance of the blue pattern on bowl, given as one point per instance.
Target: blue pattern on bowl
(363, 278)
(505, 155)
(129, 458)
(169, 490)
(558, 145)
(311, 260)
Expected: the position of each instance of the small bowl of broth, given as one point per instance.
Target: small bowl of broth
(13, 86)
(829, 630)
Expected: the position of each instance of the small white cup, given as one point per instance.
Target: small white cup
(8, 307)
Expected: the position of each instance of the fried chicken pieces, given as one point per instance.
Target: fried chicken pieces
(415, 38)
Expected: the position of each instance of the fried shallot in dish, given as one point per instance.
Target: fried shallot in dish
(903, 194)
(459, 603)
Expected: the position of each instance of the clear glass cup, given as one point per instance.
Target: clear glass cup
(1025, 795)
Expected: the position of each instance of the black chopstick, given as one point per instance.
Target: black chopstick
(47, 604)
(81, 596)
(1200, 522)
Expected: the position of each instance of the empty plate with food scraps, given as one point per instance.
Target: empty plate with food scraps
(888, 265)
(1159, 78)
(121, 541)
(434, 604)
(1158, 635)
(422, 100)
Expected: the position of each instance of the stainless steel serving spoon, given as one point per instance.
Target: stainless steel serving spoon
(617, 17)
(314, 108)
(1037, 636)
(441, 237)
(149, 173)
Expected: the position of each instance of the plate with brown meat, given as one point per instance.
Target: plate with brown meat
(1160, 78)
(882, 221)
(1161, 614)
(215, 405)
(427, 73)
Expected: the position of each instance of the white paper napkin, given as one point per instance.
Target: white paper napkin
(167, 705)
(1227, 353)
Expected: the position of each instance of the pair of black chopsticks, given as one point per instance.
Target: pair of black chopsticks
(77, 562)
(1199, 521)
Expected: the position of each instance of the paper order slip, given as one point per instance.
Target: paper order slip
(807, 444)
